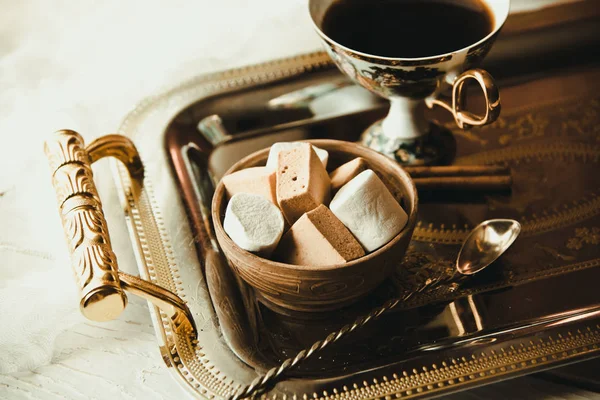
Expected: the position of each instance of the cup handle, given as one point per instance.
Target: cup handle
(457, 104)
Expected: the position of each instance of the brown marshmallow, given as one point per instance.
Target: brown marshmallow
(318, 238)
(346, 172)
(257, 180)
(302, 182)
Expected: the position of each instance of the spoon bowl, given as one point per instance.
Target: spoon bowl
(485, 244)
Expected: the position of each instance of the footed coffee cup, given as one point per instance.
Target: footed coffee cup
(385, 46)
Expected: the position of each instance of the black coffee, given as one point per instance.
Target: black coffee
(407, 28)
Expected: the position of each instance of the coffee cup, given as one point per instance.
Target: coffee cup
(354, 31)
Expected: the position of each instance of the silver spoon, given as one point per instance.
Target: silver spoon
(484, 244)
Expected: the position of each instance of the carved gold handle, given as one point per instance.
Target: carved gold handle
(102, 286)
(457, 104)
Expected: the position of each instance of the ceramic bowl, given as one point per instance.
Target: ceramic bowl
(324, 288)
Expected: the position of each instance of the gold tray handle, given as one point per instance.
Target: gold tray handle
(102, 286)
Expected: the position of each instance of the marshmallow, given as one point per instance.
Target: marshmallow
(345, 173)
(318, 238)
(253, 223)
(302, 182)
(367, 208)
(276, 148)
(257, 180)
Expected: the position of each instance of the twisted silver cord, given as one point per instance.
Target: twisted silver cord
(271, 376)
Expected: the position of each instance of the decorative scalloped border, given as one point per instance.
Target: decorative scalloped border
(463, 371)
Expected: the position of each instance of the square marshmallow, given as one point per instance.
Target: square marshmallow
(368, 209)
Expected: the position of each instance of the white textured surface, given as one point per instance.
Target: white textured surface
(83, 65)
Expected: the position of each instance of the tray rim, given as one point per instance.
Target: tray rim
(145, 219)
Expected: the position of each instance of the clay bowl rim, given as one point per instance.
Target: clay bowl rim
(219, 194)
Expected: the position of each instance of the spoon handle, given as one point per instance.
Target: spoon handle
(260, 383)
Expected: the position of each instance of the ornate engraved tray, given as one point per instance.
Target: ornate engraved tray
(536, 308)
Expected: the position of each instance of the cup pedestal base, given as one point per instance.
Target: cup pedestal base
(437, 146)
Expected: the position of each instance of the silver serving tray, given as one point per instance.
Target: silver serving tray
(480, 341)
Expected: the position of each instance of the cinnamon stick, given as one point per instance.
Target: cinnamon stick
(457, 170)
(472, 183)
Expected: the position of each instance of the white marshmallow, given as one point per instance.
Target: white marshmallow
(253, 223)
(368, 209)
(277, 147)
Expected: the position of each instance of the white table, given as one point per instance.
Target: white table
(83, 65)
